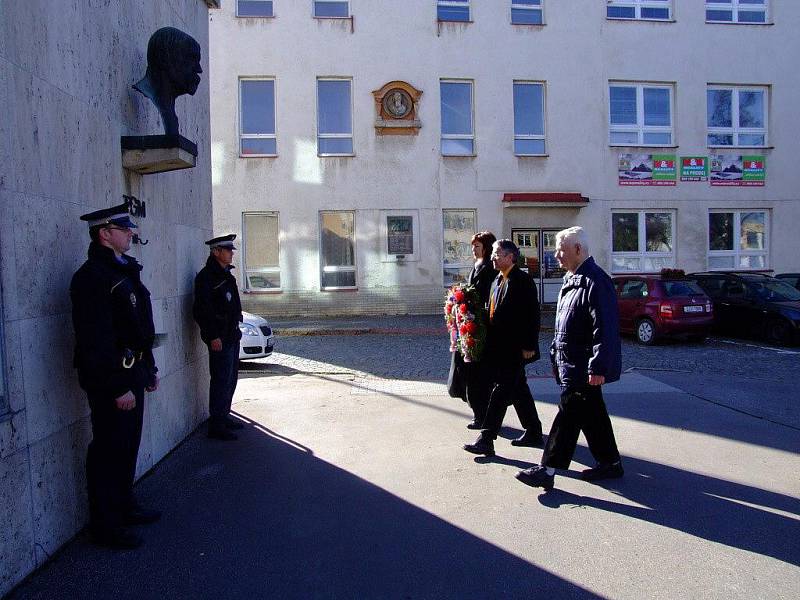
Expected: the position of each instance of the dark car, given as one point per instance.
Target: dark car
(752, 305)
(793, 279)
(655, 306)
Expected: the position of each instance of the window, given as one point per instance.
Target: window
(640, 114)
(260, 240)
(642, 241)
(645, 10)
(736, 116)
(528, 119)
(458, 138)
(331, 9)
(334, 117)
(737, 240)
(337, 250)
(453, 10)
(254, 8)
(526, 12)
(257, 117)
(458, 229)
(736, 11)
(633, 289)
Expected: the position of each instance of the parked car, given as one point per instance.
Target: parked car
(655, 306)
(793, 279)
(752, 305)
(257, 337)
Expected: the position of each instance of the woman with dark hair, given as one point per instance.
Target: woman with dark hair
(468, 381)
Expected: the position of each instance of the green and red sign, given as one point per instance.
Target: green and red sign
(646, 169)
(694, 168)
(732, 169)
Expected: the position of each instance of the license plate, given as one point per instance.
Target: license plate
(692, 309)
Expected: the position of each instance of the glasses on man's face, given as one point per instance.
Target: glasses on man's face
(499, 254)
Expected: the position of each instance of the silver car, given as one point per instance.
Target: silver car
(257, 337)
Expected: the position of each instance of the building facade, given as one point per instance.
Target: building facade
(358, 145)
(67, 100)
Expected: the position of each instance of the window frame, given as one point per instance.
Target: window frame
(737, 252)
(640, 128)
(331, 136)
(337, 268)
(270, 16)
(637, 6)
(457, 136)
(455, 4)
(256, 136)
(735, 130)
(469, 262)
(528, 8)
(642, 252)
(316, 16)
(736, 7)
(248, 270)
(543, 136)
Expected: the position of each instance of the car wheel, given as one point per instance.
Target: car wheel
(779, 332)
(646, 332)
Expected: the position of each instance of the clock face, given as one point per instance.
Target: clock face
(397, 103)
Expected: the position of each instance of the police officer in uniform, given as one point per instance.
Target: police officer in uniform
(114, 335)
(218, 312)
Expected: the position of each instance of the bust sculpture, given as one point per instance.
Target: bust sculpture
(173, 69)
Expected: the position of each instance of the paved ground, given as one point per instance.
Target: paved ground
(349, 482)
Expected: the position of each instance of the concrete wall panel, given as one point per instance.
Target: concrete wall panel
(16, 542)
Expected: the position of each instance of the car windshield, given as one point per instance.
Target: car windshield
(681, 288)
(774, 291)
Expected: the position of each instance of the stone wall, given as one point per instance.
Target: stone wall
(67, 70)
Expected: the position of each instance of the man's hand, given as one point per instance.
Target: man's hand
(526, 354)
(154, 386)
(127, 401)
(216, 345)
(596, 379)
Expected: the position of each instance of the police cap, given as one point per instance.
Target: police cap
(116, 215)
(223, 241)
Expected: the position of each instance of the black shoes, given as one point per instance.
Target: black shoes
(603, 471)
(473, 425)
(118, 538)
(220, 432)
(529, 440)
(138, 515)
(233, 423)
(481, 446)
(536, 476)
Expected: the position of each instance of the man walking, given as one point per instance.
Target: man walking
(512, 341)
(586, 353)
(218, 312)
(114, 335)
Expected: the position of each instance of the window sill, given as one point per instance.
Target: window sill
(737, 23)
(453, 21)
(339, 289)
(459, 155)
(528, 24)
(635, 20)
(255, 16)
(258, 156)
(642, 146)
(532, 155)
(335, 155)
(741, 147)
(332, 18)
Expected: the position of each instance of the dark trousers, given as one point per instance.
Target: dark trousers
(111, 459)
(581, 409)
(224, 369)
(510, 388)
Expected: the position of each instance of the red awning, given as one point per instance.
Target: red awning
(545, 199)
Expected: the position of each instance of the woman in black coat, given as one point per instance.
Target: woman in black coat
(468, 381)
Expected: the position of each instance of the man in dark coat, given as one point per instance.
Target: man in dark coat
(218, 312)
(114, 335)
(512, 341)
(586, 353)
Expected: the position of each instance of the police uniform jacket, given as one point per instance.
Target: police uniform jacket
(586, 339)
(217, 307)
(113, 322)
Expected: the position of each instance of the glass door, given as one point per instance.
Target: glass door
(552, 274)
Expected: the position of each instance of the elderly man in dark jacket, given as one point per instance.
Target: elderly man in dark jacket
(586, 353)
(218, 311)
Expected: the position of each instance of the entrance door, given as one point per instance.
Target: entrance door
(537, 247)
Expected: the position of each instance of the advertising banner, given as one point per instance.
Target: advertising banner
(694, 168)
(647, 169)
(734, 169)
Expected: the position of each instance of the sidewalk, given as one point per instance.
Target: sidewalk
(357, 487)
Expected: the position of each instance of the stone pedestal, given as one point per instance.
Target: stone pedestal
(148, 154)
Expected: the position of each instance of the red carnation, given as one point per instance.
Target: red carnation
(448, 308)
(471, 327)
(463, 308)
(470, 341)
(458, 295)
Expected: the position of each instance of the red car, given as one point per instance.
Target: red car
(654, 306)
